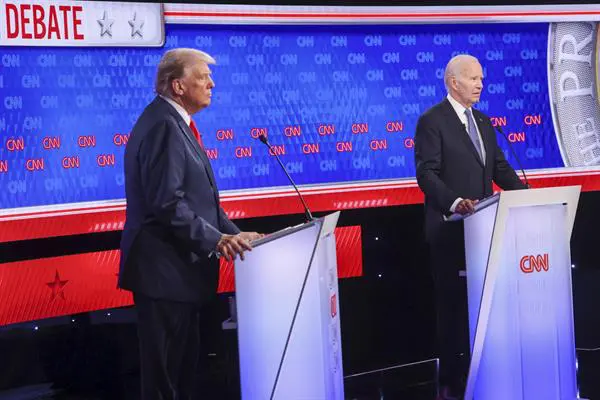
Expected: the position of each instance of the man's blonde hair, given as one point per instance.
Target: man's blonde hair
(173, 65)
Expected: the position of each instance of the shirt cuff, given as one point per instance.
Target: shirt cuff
(455, 204)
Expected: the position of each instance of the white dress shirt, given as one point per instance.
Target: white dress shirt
(460, 112)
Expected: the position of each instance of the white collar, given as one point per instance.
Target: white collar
(458, 108)
(180, 110)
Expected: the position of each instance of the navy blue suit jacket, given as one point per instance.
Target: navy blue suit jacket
(173, 219)
(448, 165)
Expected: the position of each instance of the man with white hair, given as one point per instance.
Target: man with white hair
(457, 159)
(174, 227)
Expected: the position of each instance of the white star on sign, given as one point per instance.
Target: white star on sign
(105, 25)
(136, 26)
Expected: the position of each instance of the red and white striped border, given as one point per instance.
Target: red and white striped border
(346, 191)
(270, 193)
(250, 14)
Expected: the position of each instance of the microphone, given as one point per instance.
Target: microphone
(309, 217)
(499, 129)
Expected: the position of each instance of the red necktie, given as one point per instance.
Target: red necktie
(196, 133)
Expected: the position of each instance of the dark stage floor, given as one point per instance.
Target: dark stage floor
(387, 317)
(415, 381)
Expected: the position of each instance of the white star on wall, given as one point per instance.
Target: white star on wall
(136, 26)
(105, 25)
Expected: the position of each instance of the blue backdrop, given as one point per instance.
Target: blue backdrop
(340, 102)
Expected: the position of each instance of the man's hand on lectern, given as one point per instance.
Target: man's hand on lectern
(230, 246)
(466, 206)
(250, 236)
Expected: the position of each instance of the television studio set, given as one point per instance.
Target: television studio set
(299, 200)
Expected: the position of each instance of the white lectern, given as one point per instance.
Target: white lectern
(288, 315)
(519, 293)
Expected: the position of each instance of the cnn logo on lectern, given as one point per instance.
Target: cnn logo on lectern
(537, 263)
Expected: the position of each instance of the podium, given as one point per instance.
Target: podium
(288, 315)
(520, 297)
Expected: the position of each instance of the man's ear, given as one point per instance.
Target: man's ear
(176, 87)
(453, 83)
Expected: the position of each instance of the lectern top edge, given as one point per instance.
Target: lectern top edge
(483, 203)
(284, 232)
(330, 222)
(530, 197)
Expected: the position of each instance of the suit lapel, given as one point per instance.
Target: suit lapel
(187, 132)
(461, 130)
(189, 136)
(201, 153)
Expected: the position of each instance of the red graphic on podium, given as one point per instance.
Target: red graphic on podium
(532, 263)
(333, 305)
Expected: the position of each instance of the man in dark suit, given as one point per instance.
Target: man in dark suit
(175, 227)
(457, 159)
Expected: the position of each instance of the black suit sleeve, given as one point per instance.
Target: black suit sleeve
(162, 159)
(428, 159)
(227, 226)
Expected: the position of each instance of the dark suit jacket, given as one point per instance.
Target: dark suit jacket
(174, 219)
(448, 165)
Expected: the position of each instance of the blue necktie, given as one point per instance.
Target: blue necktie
(472, 129)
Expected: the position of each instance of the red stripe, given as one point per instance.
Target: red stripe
(564, 173)
(32, 290)
(379, 15)
(52, 287)
(322, 190)
(76, 209)
(97, 219)
(119, 205)
(348, 246)
(348, 240)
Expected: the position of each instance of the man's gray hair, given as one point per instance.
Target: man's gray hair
(453, 68)
(173, 65)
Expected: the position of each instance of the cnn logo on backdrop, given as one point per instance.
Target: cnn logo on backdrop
(534, 263)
